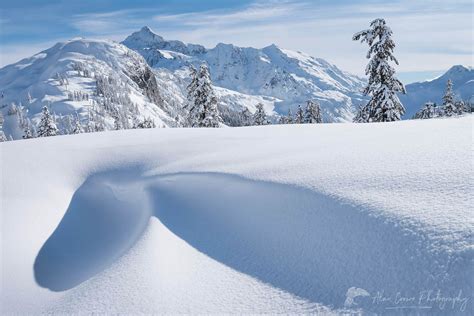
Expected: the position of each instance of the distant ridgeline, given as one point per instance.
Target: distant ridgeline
(146, 82)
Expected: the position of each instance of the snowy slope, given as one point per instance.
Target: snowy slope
(243, 220)
(230, 103)
(419, 93)
(73, 67)
(291, 77)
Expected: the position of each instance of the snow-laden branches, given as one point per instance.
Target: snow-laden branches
(382, 86)
(202, 101)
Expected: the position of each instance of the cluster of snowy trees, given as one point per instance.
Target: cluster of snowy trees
(50, 123)
(311, 114)
(201, 100)
(111, 98)
(82, 70)
(203, 111)
(78, 96)
(62, 79)
(109, 102)
(384, 105)
(450, 107)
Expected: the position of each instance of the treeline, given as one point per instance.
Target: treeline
(110, 102)
(203, 110)
(450, 106)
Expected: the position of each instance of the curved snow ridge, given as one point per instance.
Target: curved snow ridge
(308, 245)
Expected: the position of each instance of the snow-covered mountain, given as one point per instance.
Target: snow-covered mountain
(88, 80)
(102, 83)
(419, 93)
(284, 78)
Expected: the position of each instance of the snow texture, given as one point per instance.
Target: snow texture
(243, 220)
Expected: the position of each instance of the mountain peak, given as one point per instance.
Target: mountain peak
(459, 68)
(271, 47)
(146, 29)
(144, 36)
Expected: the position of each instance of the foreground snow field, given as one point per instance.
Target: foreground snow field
(273, 219)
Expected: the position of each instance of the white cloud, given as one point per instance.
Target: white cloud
(10, 54)
(429, 35)
(107, 22)
(254, 13)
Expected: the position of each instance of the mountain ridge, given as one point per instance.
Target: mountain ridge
(292, 77)
(149, 80)
(418, 93)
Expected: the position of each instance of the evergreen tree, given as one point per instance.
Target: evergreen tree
(289, 117)
(283, 120)
(299, 116)
(246, 117)
(28, 130)
(47, 127)
(203, 110)
(192, 86)
(312, 112)
(146, 123)
(260, 117)
(13, 109)
(426, 112)
(460, 107)
(117, 121)
(449, 108)
(77, 127)
(3, 138)
(384, 105)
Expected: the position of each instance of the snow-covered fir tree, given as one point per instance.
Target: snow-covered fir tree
(427, 112)
(449, 107)
(47, 126)
(90, 125)
(384, 105)
(460, 107)
(12, 110)
(192, 87)
(282, 120)
(27, 133)
(202, 100)
(312, 113)
(117, 121)
(289, 117)
(68, 124)
(260, 116)
(362, 115)
(77, 127)
(299, 116)
(246, 117)
(28, 130)
(146, 123)
(3, 138)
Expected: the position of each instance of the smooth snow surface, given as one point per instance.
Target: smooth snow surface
(275, 219)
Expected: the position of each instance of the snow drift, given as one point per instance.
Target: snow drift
(279, 219)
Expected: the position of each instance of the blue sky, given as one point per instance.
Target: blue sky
(431, 35)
